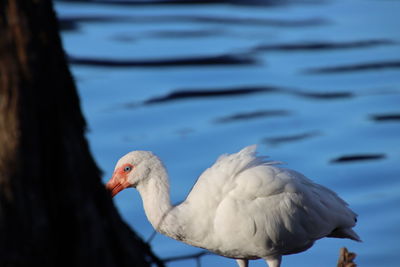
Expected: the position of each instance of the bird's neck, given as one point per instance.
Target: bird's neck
(157, 205)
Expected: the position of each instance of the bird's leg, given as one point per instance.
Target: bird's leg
(273, 261)
(242, 263)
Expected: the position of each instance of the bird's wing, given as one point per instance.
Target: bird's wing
(248, 202)
(279, 210)
(220, 177)
(213, 185)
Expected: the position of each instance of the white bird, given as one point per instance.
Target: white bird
(243, 207)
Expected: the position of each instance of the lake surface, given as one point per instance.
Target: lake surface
(315, 84)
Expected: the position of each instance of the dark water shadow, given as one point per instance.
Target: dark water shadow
(278, 140)
(314, 46)
(251, 21)
(171, 34)
(323, 95)
(390, 117)
(123, 38)
(207, 93)
(72, 22)
(251, 115)
(369, 66)
(357, 157)
(191, 94)
(67, 26)
(187, 94)
(228, 59)
(265, 3)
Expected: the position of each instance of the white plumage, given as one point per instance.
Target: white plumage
(243, 207)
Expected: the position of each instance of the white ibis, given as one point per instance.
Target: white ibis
(243, 207)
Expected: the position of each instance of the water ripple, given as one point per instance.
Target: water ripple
(368, 66)
(187, 94)
(386, 117)
(228, 59)
(72, 22)
(357, 157)
(320, 45)
(197, 2)
(277, 140)
(190, 94)
(252, 115)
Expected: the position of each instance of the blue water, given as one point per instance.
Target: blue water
(328, 76)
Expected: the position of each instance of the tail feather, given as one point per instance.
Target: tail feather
(345, 233)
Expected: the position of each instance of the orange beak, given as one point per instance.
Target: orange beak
(116, 185)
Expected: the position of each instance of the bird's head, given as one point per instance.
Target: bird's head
(131, 170)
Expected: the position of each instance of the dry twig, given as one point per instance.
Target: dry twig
(346, 258)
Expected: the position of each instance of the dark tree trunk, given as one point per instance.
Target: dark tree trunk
(54, 211)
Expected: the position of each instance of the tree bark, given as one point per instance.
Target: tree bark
(54, 211)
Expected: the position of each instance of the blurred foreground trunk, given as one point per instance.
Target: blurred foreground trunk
(54, 211)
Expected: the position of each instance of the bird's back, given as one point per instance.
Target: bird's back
(246, 207)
